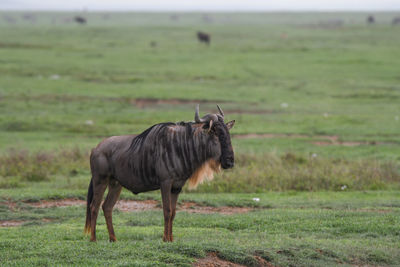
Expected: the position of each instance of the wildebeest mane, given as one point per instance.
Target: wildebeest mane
(139, 139)
(179, 149)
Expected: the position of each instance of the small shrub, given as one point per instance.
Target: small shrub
(270, 172)
(37, 167)
(10, 183)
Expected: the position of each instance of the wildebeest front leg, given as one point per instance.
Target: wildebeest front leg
(166, 199)
(174, 199)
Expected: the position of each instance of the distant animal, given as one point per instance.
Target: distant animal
(153, 44)
(396, 21)
(9, 19)
(370, 19)
(207, 18)
(164, 156)
(28, 16)
(80, 20)
(204, 37)
(174, 17)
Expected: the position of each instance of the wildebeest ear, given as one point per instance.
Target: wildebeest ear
(230, 124)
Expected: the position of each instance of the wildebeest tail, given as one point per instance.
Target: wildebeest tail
(88, 213)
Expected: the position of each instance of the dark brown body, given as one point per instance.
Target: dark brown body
(370, 19)
(396, 21)
(163, 157)
(204, 37)
(80, 20)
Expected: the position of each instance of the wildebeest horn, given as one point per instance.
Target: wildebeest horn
(206, 118)
(196, 114)
(220, 111)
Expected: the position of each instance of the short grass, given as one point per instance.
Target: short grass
(302, 78)
(287, 229)
(273, 73)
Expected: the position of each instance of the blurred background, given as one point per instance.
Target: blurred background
(313, 87)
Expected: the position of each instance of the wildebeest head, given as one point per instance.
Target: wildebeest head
(215, 125)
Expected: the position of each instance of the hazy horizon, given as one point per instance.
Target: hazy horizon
(202, 6)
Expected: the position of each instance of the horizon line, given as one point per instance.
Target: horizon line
(200, 10)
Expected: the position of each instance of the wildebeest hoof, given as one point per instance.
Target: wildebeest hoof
(165, 239)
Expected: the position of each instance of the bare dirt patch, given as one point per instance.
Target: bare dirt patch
(11, 223)
(142, 205)
(14, 223)
(252, 111)
(192, 207)
(375, 210)
(348, 143)
(320, 140)
(212, 260)
(273, 135)
(140, 102)
(11, 205)
(262, 262)
(131, 205)
(146, 102)
(327, 138)
(150, 102)
(57, 203)
(123, 205)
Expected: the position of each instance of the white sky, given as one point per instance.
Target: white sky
(203, 5)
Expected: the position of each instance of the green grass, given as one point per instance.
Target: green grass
(339, 81)
(297, 77)
(301, 229)
(69, 170)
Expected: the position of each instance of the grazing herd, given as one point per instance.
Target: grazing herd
(371, 20)
(165, 156)
(202, 37)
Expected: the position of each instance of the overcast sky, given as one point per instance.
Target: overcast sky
(203, 5)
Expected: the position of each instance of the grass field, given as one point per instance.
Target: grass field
(285, 229)
(316, 103)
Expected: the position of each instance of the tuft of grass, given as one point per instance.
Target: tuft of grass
(271, 172)
(20, 165)
(252, 173)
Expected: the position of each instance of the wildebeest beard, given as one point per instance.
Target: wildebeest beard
(176, 151)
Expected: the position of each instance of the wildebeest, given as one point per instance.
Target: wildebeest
(203, 37)
(80, 20)
(370, 19)
(164, 157)
(153, 44)
(396, 21)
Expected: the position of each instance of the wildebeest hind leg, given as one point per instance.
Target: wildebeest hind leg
(114, 189)
(99, 186)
